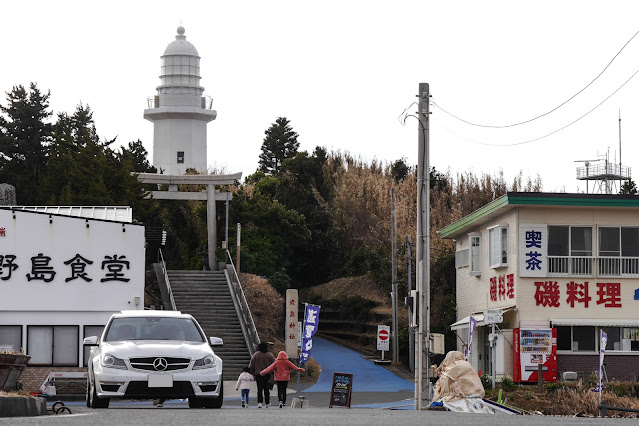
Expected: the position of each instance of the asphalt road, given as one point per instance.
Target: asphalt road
(378, 398)
(180, 414)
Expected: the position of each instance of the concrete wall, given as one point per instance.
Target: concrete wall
(620, 367)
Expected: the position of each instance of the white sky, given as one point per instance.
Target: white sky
(343, 71)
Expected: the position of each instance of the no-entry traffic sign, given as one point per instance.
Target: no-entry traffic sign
(383, 340)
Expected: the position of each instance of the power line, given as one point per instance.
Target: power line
(567, 125)
(544, 114)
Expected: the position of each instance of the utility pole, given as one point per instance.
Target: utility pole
(411, 330)
(237, 254)
(422, 372)
(394, 276)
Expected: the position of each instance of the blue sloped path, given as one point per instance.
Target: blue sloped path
(367, 376)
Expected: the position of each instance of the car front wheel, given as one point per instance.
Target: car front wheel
(92, 397)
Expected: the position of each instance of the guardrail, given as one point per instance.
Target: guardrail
(166, 280)
(604, 408)
(248, 326)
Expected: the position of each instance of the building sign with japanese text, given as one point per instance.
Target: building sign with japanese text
(502, 287)
(60, 263)
(533, 243)
(549, 294)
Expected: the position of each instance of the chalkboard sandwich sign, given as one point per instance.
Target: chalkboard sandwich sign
(341, 389)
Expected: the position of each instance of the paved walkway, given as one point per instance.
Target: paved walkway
(367, 376)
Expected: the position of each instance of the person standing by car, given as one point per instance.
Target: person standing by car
(282, 368)
(259, 361)
(244, 384)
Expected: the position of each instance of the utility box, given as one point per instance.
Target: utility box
(437, 344)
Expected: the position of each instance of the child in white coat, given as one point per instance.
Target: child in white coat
(244, 383)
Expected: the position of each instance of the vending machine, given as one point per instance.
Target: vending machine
(531, 348)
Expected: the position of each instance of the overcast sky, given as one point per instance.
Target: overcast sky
(343, 71)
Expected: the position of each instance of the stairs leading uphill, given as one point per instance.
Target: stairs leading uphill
(206, 296)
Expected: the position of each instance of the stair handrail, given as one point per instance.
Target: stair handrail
(252, 336)
(166, 280)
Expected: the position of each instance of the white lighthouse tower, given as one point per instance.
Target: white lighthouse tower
(179, 112)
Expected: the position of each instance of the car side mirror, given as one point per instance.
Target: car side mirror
(216, 341)
(90, 341)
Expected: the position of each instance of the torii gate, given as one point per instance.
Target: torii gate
(211, 195)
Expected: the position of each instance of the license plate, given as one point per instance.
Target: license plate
(160, 380)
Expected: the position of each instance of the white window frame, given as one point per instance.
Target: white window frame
(498, 246)
(475, 261)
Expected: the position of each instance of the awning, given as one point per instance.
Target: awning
(595, 322)
(479, 317)
(464, 322)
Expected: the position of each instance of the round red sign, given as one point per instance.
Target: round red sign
(383, 334)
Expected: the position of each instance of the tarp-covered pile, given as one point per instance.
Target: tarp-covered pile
(457, 379)
(459, 387)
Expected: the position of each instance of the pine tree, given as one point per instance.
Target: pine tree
(279, 144)
(24, 138)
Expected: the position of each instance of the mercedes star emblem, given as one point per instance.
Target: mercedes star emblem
(160, 364)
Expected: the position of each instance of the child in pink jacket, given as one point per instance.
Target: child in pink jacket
(282, 368)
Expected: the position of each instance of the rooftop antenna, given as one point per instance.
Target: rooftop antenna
(620, 181)
(587, 164)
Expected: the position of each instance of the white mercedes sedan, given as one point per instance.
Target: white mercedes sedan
(154, 355)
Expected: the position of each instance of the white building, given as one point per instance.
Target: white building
(179, 112)
(551, 260)
(62, 275)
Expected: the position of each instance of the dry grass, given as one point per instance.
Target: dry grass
(341, 288)
(571, 401)
(267, 308)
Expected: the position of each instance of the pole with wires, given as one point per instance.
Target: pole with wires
(422, 371)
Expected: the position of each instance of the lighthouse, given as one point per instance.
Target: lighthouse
(179, 111)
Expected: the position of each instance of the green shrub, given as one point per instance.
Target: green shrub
(507, 383)
(486, 382)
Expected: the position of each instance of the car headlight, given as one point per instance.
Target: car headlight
(206, 362)
(111, 361)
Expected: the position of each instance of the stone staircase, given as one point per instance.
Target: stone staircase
(206, 296)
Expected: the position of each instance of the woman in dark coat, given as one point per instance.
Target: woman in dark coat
(259, 361)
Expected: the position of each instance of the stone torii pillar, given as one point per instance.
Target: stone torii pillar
(210, 195)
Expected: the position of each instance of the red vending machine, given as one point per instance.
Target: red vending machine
(532, 347)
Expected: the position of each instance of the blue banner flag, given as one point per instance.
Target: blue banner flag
(472, 324)
(311, 321)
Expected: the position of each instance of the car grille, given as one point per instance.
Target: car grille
(141, 390)
(149, 363)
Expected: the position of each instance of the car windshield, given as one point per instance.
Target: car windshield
(153, 328)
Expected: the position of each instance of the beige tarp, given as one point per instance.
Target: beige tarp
(457, 379)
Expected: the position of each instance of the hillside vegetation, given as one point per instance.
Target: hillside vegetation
(307, 218)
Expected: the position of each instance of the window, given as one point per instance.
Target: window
(180, 157)
(498, 241)
(461, 258)
(475, 255)
(618, 251)
(53, 345)
(91, 330)
(586, 339)
(10, 338)
(570, 250)
(564, 338)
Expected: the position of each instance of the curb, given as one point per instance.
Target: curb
(22, 406)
